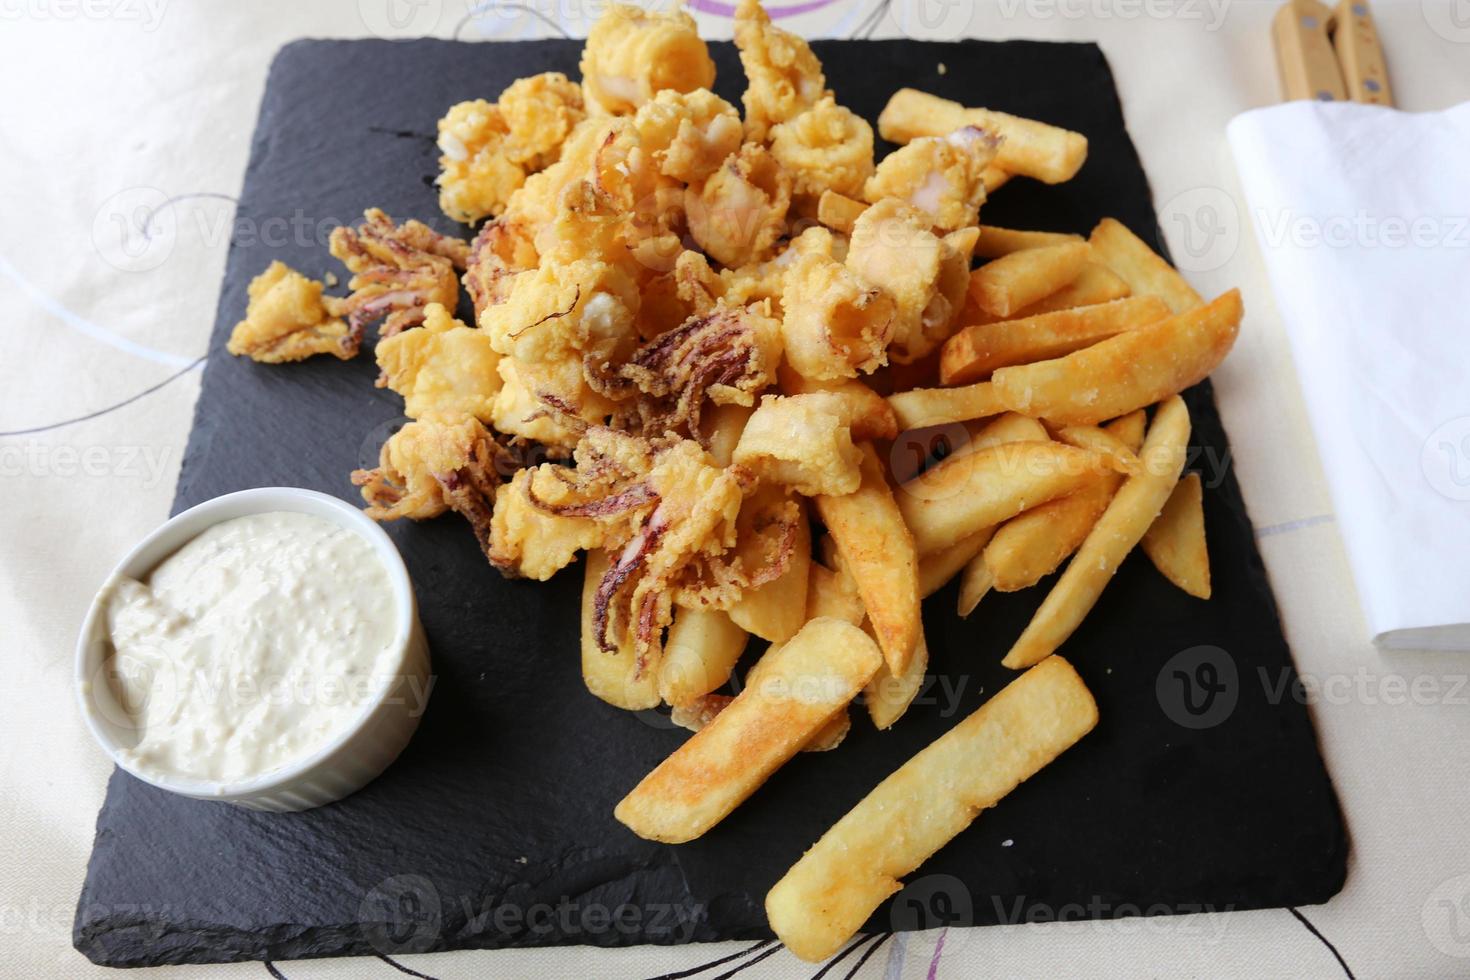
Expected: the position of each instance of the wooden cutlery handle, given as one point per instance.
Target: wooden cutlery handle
(1364, 70)
(1304, 53)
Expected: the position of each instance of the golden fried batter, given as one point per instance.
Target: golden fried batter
(286, 320)
(477, 175)
(835, 323)
(548, 403)
(943, 176)
(894, 249)
(800, 442)
(633, 54)
(826, 147)
(397, 271)
(784, 78)
(540, 112)
(738, 214)
(444, 368)
(502, 248)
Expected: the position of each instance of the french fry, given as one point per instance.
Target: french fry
(878, 551)
(1095, 284)
(923, 407)
(941, 480)
(935, 570)
(838, 211)
(1175, 542)
(802, 686)
(1142, 268)
(1125, 459)
(830, 892)
(1131, 370)
(1129, 514)
(722, 425)
(613, 677)
(834, 593)
(990, 486)
(888, 695)
(1030, 148)
(697, 714)
(699, 654)
(976, 351)
(1013, 282)
(994, 178)
(1031, 546)
(995, 241)
(776, 610)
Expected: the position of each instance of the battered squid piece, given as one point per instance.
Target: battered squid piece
(894, 249)
(444, 369)
(540, 112)
(784, 78)
(835, 324)
(943, 176)
(502, 248)
(738, 214)
(523, 407)
(397, 271)
(286, 320)
(687, 134)
(476, 173)
(576, 310)
(433, 465)
(725, 357)
(632, 54)
(825, 148)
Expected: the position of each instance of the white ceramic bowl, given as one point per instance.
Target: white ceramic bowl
(347, 762)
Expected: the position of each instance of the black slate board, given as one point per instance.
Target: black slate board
(495, 828)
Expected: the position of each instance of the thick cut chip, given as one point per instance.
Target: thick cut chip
(827, 895)
(801, 687)
(1003, 286)
(996, 241)
(1129, 514)
(1139, 266)
(699, 654)
(921, 407)
(1175, 543)
(1131, 370)
(878, 551)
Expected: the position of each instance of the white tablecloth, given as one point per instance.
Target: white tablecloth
(110, 105)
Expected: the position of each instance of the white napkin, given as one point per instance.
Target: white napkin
(1363, 217)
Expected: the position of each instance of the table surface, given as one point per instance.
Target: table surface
(119, 105)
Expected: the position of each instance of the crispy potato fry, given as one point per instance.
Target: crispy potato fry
(838, 211)
(988, 486)
(878, 551)
(1095, 284)
(697, 714)
(802, 685)
(1175, 542)
(830, 735)
(936, 569)
(1138, 265)
(830, 892)
(1129, 514)
(888, 695)
(1030, 148)
(699, 654)
(976, 351)
(995, 241)
(1131, 370)
(1013, 282)
(1029, 547)
(613, 677)
(923, 407)
(1125, 460)
(776, 610)
(921, 447)
(833, 593)
(995, 178)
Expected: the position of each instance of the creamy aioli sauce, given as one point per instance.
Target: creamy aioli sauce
(252, 646)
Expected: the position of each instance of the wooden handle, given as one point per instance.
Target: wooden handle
(1304, 53)
(1364, 70)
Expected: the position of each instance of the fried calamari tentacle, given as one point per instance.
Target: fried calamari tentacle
(725, 356)
(502, 248)
(286, 320)
(398, 270)
(433, 465)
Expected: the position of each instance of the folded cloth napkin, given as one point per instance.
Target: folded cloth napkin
(1363, 217)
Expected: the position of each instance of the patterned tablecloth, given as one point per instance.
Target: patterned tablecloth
(114, 108)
